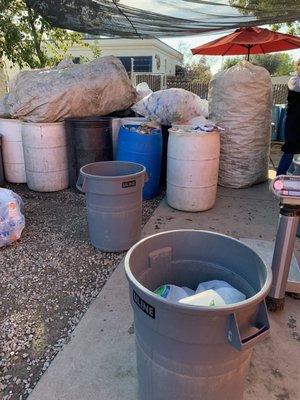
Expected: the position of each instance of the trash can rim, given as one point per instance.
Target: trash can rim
(189, 308)
(116, 177)
(42, 123)
(88, 119)
(155, 131)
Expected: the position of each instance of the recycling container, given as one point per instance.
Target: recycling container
(116, 124)
(89, 140)
(114, 203)
(12, 150)
(276, 110)
(145, 149)
(45, 155)
(1, 164)
(193, 166)
(281, 125)
(195, 352)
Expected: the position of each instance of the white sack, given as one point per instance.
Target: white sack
(142, 90)
(240, 100)
(96, 88)
(171, 106)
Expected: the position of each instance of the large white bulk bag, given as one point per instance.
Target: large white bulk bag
(240, 100)
(96, 88)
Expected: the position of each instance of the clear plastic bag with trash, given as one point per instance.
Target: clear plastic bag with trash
(215, 293)
(12, 220)
(169, 106)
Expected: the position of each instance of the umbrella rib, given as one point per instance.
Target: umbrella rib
(290, 42)
(224, 54)
(261, 48)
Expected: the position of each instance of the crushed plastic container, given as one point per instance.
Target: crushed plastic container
(187, 352)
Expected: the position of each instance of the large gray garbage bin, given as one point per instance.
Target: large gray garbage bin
(114, 202)
(187, 352)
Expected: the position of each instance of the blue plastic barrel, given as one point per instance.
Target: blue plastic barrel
(145, 149)
(281, 127)
(276, 110)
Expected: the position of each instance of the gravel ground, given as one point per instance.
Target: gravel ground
(48, 279)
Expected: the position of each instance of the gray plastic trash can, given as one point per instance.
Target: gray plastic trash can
(114, 202)
(187, 352)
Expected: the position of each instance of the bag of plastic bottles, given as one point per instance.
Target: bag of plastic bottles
(12, 221)
(171, 106)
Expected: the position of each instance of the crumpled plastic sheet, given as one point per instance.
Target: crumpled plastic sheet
(12, 220)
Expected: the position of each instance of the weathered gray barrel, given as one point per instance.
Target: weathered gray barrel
(191, 352)
(114, 202)
(45, 155)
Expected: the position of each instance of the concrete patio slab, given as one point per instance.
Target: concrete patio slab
(99, 361)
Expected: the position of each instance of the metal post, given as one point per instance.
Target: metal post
(283, 252)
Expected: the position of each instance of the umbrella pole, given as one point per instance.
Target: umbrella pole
(248, 55)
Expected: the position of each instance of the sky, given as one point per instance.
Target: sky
(194, 41)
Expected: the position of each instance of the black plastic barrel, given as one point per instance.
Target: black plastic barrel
(1, 164)
(89, 140)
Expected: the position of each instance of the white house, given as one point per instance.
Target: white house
(139, 55)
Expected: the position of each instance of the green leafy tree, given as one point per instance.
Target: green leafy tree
(28, 40)
(231, 61)
(277, 64)
(198, 71)
(257, 7)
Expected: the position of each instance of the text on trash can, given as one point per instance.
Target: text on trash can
(143, 305)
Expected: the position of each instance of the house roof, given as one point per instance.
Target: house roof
(135, 43)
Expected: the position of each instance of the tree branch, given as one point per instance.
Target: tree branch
(36, 39)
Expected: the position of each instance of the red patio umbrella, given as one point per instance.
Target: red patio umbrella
(248, 41)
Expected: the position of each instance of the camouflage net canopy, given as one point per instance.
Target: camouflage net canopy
(152, 18)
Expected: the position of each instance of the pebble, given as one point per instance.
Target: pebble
(57, 274)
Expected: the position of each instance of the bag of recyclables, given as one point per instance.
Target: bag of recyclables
(170, 106)
(12, 221)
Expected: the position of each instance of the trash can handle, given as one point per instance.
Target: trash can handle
(261, 324)
(81, 183)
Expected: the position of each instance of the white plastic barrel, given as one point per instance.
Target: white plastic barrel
(45, 154)
(12, 148)
(192, 171)
(116, 123)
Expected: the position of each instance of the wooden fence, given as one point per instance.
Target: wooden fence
(158, 82)
(201, 89)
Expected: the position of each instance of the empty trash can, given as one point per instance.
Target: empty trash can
(89, 140)
(12, 150)
(114, 203)
(193, 166)
(192, 352)
(145, 149)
